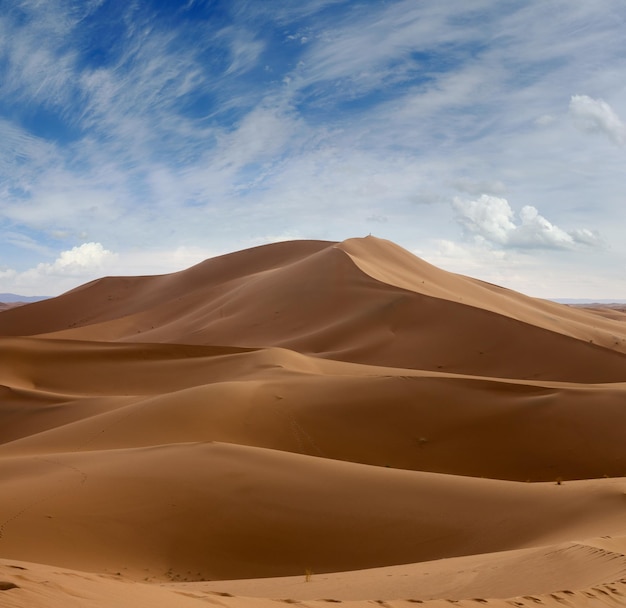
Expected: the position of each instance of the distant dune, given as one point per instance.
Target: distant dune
(7, 305)
(311, 422)
(11, 300)
(13, 297)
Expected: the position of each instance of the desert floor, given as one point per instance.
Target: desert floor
(311, 423)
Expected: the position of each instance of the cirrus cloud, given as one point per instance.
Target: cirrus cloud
(597, 116)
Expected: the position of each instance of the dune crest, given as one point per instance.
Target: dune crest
(312, 421)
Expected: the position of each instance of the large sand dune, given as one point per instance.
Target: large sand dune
(311, 422)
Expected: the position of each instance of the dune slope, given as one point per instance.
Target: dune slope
(68, 396)
(343, 409)
(341, 302)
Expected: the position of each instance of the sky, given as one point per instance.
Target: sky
(141, 137)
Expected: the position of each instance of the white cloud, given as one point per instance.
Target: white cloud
(245, 51)
(488, 217)
(24, 242)
(87, 256)
(597, 116)
(536, 231)
(173, 140)
(90, 261)
(374, 45)
(491, 219)
(585, 236)
(71, 268)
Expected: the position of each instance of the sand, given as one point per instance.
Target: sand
(311, 422)
(7, 305)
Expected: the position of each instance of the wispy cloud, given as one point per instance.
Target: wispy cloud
(245, 50)
(597, 116)
(211, 125)
(387, 44)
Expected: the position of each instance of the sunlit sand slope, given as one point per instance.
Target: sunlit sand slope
(213, 510)
(311, 422)
(68, 396)
(364, 300)
(38, 586)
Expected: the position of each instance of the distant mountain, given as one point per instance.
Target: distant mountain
(13, 297)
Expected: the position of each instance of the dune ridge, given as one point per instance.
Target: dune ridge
(343, 414)
(324, 304)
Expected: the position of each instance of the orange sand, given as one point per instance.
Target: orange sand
(311, 422)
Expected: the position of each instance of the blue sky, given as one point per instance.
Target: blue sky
(140, 137)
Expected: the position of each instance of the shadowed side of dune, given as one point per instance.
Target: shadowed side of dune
(63, 396)
(118, 297)
(321, 303)
(312, 407)
(388, 263)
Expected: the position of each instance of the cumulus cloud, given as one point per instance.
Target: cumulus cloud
(78, 259)
(584, 236)
(597, 116)
(536, 231)
(491, 219)
(79, 264)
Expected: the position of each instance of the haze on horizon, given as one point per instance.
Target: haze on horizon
(141, 138)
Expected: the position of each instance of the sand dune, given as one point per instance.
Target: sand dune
(7, 305)
(539, 571)
(343, 409)
(40, 586)
(69, 396)
(320, 302)
(212, 510)
(609, 311)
